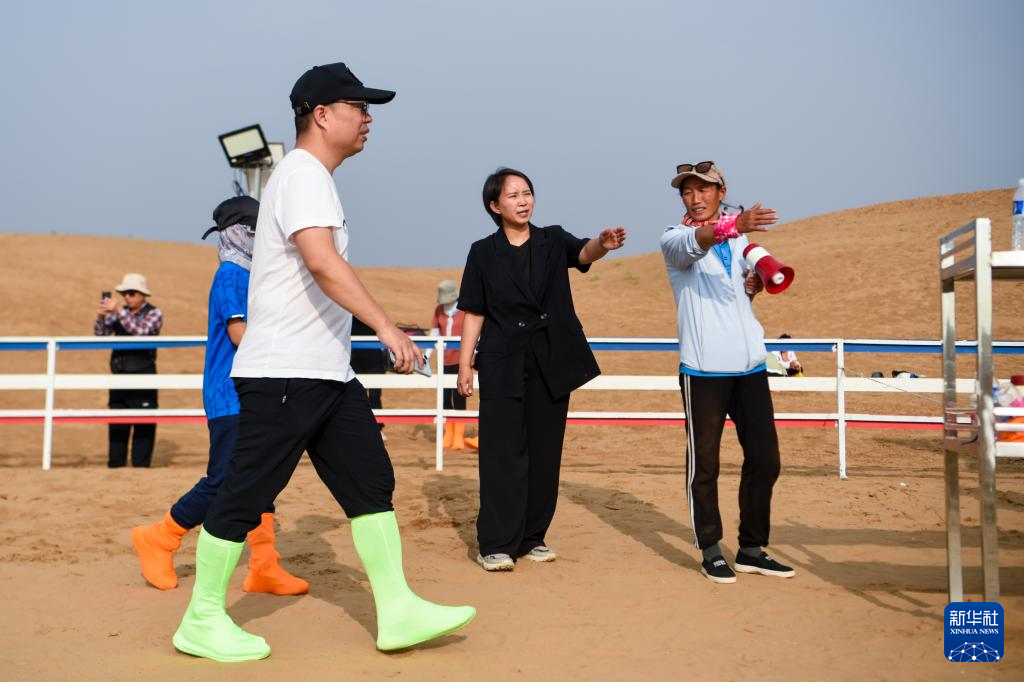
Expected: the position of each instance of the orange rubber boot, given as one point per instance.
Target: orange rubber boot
(1013, 436)
(155, 546)
(449, 434)
(473, 443)
(457, 441)
(265, 571)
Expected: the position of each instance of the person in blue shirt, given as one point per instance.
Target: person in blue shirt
(156, 543)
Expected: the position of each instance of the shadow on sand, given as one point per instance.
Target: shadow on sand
(887, 585)
(453, 500)
(329, 580)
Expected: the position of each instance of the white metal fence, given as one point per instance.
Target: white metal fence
(839, 384)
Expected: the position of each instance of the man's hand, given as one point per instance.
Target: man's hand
(465, 381)
(757, 219)
(612, 238)
(407, 354)
(107, 308)
(752, 283)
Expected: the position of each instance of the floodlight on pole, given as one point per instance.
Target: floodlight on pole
(247, 149)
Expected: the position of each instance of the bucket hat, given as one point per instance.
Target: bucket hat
(447, 292)
(132, 281)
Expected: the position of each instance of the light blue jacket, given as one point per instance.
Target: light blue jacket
(718, 331)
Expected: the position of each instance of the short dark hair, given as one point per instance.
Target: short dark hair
(302, 123)
(493, 186)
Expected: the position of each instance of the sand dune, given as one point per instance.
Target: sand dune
(863, 272)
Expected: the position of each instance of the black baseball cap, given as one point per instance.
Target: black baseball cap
(330, 83)
(234, 211)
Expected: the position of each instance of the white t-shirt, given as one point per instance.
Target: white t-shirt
(295, 330)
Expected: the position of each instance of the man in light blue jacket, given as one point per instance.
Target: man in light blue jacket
(722, 368)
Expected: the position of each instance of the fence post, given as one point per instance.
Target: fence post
(51, 382)
(439, 404)
(841, 404)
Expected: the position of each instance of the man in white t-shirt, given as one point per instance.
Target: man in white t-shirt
(297, 390)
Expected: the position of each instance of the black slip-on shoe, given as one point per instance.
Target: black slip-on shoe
(763, 564)
(716, 569)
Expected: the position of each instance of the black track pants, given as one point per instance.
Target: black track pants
(747, 400)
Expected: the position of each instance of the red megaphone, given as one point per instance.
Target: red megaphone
(775, 275)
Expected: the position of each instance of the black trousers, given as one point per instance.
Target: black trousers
(520, 458)
(279, 420)
(452, 399)
(142, 436)
(748, 401)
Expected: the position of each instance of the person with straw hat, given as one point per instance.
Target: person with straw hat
(134, 317)
(447, 321)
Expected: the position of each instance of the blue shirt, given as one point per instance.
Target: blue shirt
(723, 251)
(683, 369)
(228, 300)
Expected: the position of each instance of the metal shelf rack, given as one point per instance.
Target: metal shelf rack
(966, 255)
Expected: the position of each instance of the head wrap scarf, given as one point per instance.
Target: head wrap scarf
(236, 245)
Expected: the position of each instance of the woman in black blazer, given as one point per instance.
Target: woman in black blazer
(532, 354)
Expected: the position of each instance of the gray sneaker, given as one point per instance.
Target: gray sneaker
(496, 562)
(541, 553)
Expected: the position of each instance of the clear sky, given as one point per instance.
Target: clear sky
(111, 110)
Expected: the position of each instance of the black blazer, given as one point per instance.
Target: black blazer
(519, 315)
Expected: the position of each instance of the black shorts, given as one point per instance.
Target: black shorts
(279, 420)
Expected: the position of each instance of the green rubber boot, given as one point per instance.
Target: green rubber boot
(403, 619)
(207, 630)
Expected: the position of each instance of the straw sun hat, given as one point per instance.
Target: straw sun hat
(447, 292)
(132, 281)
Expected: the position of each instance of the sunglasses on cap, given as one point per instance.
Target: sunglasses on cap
(702, 167)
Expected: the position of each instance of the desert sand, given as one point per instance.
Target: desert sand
(625, 599)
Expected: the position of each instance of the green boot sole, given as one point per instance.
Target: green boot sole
(184, 645)
(430, 622)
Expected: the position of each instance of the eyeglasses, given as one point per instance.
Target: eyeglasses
(364, 106)
(702, 167)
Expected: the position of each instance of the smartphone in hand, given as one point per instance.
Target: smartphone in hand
(104, 295)
(420, 367)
